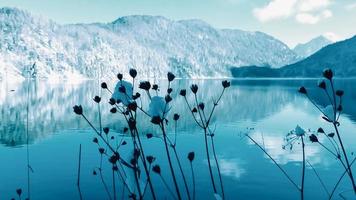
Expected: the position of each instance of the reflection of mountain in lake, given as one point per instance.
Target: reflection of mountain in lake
(50, 105)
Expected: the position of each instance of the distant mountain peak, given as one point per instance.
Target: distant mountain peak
(306, 49)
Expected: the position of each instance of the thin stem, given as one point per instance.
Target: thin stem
(330, 100)
(208, 158)
(145, 166)
(338, 182)
(336, 156)
(346, 158)
(173, 145)
(190, 109)
(169, 160)
(137, 182)
(193, 177)
(214, 152)
(215, 104)
(102, 138)
(102, 178)
(303, 170)
(315, 104)
(275, 162)
(113, 183)
(217, 166)
(333, 143)
(319, 178)
(334, 98)
(181, 171)
(167, 186)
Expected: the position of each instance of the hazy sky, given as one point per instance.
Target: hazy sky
(292, 21)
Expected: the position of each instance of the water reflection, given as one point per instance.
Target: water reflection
(268, 110)
(248, 102)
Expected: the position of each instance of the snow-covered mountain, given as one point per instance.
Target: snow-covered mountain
(151, 44)
(339, 56)
(314, 45)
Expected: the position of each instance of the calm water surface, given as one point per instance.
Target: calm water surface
(266, 109)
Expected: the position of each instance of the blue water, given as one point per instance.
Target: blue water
(265, 109)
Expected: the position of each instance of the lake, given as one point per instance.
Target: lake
(265, 109)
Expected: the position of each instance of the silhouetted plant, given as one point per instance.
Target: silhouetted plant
(203, 121)
(126, 102)
(297, 134)
(331, 114)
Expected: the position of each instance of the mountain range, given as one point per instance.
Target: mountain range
(151, 44)
(340, 57)
(306, 49)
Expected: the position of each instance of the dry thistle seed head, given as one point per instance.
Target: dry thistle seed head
(313, 138)
(101, 150)
(112, 101)
(156, 120)
(328, 73)
(145, 85)
(133, 73)
(168, 98)
(331, 135)
(125, 129)
(155, 87)
(120, 76)
(136, 96)
(112, 137)
(201, 106)
(194, 88)
(170, 76)
(320, 130)
(106, 130)
(175, 117)
(114, 158)
(150, 159)
(95, 140)
(132, 106)
(19, 191)
(322, 84)
(78, 109)
(302, 90)
(194, 110)
(97, 99)
(169, 90)
(225, 84)
(339, 93)
(94, 172)
(113, 110)
(124, 143)
(191, 156)
(149, 135)
(156, 169)
(104, 85)
(183, 92)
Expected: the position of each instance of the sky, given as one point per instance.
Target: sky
(291, 21)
